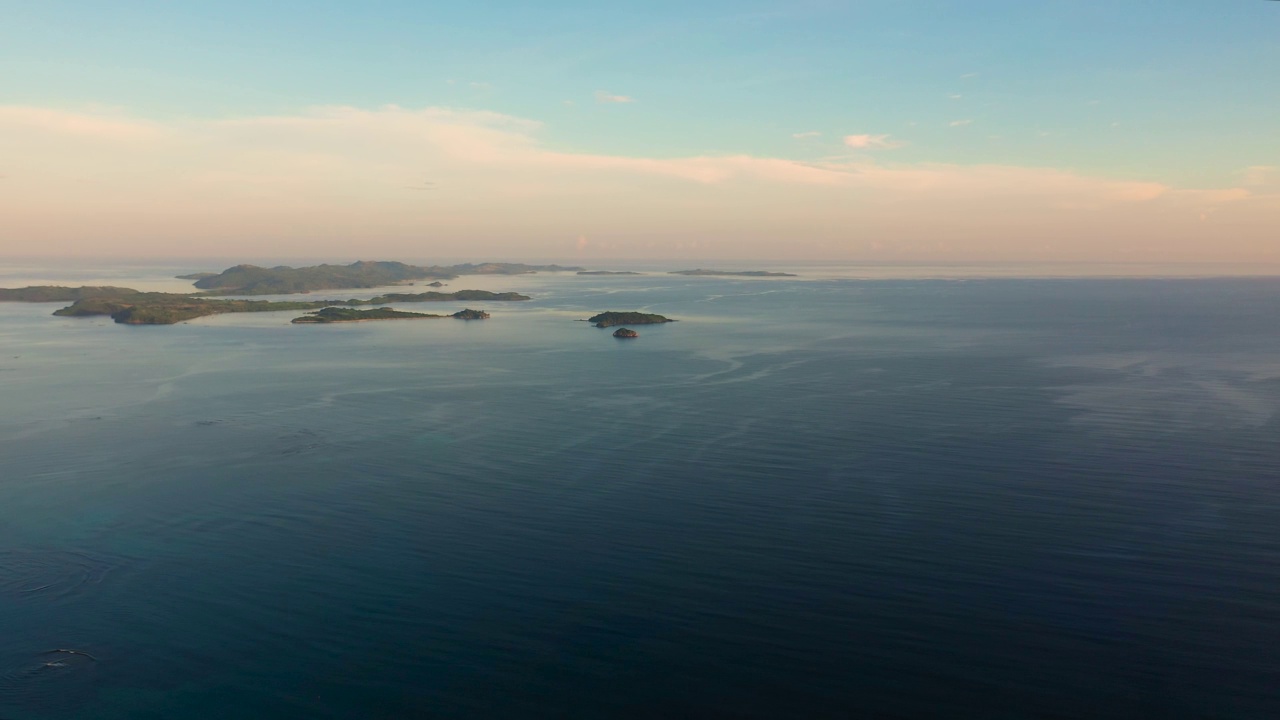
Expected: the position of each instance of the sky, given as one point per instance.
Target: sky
(810, 130)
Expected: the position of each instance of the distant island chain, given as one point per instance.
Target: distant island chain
(230, 291)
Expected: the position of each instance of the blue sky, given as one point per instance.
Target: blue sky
(1181, 92)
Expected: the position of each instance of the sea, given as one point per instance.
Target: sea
(855, 493)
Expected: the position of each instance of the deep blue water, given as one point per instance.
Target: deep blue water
(808, 498)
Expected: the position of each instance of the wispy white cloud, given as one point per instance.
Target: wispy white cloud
(872, 142)
(966, 76)
(955, 96)
(606, 97)
(960, 123)
(803, 135)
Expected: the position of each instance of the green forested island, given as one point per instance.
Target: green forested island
(609, 319)
(733, 273)
(133, 307)
(285, 280)
(343, 314)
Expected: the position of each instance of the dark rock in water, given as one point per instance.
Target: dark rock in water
(625, 333)
(470, 314)
(435, 284)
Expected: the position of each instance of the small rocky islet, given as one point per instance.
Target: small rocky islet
(625, 333)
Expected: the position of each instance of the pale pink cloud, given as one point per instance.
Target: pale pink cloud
(334, 174)
(1260, 175)
(70, 124)
(872, 142)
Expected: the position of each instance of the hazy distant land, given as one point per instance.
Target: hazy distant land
(732, 273)
(285, 280)
(607, 272)
(58, 293)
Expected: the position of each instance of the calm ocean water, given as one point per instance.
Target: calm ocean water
(809, 498)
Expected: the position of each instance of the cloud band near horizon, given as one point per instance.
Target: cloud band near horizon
(101, 182)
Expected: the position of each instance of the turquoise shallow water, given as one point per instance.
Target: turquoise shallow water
(808, 498)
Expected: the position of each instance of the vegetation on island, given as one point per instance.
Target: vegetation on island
(433, 296)
(133, 307)
(607, 272)
(609, 319)
(139, 308)
(346, 314)
(625, 333)
(732, 273)
(285, 280)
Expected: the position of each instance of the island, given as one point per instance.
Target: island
(58, 293)
(625, 333)
(732, 273)
(286, 280)
(435, 284)
(433, 296)
(133, 307)
(609, 319)
(341, 314)
(607, 272)
(196, 276)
